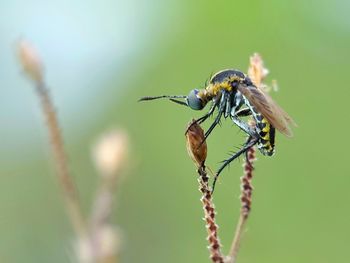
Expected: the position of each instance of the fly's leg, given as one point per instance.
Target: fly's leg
(243, 112)
(210, 112)
(250, 143)
(228, 106)
(245, 127)
(218, 117)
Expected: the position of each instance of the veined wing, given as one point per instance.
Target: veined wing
(265, 105)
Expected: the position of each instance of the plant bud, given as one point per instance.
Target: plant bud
(30, 61)
(110, 152)
(195, 143)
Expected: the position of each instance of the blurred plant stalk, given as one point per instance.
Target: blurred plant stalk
(99, 240)
(33, 67)
(110, 155)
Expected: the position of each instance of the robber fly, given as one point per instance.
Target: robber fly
(235, 96)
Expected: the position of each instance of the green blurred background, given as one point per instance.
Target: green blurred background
(101, 56)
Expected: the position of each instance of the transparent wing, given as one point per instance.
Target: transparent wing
(268, 108)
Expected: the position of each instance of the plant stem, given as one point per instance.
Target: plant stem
(209, 217)
(246, 195)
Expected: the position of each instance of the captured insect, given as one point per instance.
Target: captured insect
(235, 96)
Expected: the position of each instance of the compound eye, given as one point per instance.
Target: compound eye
(194, 101)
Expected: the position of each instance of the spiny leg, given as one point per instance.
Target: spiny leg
(210, 112)
(243, 112)
(218, 117)
(213, 125)
(250, 143)
(207, 115)
(244, 126)
(228, 106)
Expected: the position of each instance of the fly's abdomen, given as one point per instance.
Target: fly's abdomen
(266, 132)
(266, 143)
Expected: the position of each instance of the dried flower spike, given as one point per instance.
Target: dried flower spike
(209, 217)
(257, 71)
(246, 180)
(196, 145)
(30, 60)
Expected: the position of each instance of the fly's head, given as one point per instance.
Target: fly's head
(196, 100)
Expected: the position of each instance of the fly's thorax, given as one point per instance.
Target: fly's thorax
(227, 74)
(228, 84)
(216, 88)
(228, 80)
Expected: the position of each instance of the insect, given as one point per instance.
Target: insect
(234, 95)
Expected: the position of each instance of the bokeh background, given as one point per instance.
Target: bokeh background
(101, 56)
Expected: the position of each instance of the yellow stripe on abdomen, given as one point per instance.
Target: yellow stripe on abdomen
(267, 137)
